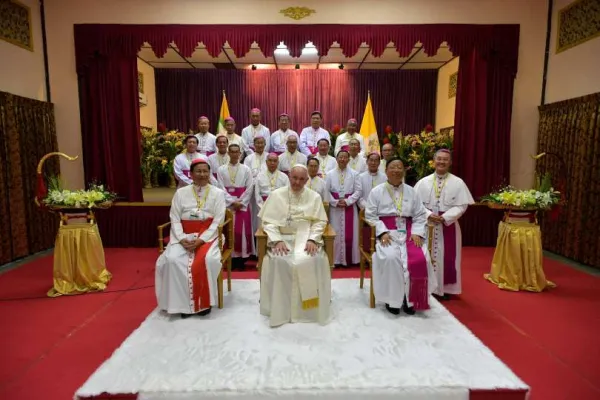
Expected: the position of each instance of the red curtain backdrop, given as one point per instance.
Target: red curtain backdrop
(405, 100)
(110, 124)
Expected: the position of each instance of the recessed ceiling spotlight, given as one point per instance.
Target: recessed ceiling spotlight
(297, 66)
(253, 67)
(341, 66)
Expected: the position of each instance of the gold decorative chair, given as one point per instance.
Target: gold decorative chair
(262, 239)
(226, 228)
(366, 255)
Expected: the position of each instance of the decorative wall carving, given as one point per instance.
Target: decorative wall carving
(140, 82)
(297, 13)
(15, 24)
(452, 85)
(577, 23)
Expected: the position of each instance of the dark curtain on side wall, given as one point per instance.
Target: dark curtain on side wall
(110, 124)
(569, 134)
(404, 99)
(482, 138)
(27, 133)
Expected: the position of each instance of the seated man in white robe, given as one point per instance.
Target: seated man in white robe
(267, 181)
(295, 275)
(402, 275)
(446, 197)
(387, 152)
(314, 181)
(187, 271)
(291, 157)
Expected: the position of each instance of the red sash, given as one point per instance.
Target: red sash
(242, 225)
(313, 149)
(348, 227)
(417, 266)
(264, 197)
(197, 273)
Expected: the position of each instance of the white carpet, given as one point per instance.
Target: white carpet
(362, 353)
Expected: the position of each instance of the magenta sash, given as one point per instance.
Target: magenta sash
(186, 172)
(209, 153)
(345, 147)
(286, 172)
(348, 227)
(449, 233)
(264, 197)
(313, 149)
(278, 152)
(417, 266)
(242, 225)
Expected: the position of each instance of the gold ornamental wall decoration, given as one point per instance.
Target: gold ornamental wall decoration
(297, 13)
(577, 23)
(15, 24)
(452, 85)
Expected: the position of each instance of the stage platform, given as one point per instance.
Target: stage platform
(361, 354)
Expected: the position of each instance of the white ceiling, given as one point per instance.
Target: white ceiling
(390, 59)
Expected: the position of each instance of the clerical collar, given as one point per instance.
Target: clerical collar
(373, 173)
(395, 187)
(198, 187)
(201, 133)
(234, 165)
(441, 176)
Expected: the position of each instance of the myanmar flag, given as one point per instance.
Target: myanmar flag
(223, 115)
(368, 130)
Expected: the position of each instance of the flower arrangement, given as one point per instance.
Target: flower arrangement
(335, 131)
(159, 149)
(96, 196)
(543, 197)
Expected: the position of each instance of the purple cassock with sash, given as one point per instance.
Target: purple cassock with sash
(242, 222)
(416, 264)
(348, 227)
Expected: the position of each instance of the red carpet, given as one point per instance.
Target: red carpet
(51, 346)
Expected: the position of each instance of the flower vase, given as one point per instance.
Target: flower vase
(147, 179)
(155, 179)
(172, 182)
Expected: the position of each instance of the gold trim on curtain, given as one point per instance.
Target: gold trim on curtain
(571, 128)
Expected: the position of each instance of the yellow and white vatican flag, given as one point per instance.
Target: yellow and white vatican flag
(368, 129)
(223, 115)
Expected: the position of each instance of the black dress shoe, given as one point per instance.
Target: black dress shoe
(392, 310)
(408, 310)
(184, 316)
(443, 297)
(205, 312)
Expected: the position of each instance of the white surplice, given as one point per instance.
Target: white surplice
(239, 175)
(337, 215)
(206, 143)
(250, 132)
(216, 161)
(309, 137)
(279, 140)
(295, 287)
(391, 278)
(454, 199)
(181, 168)
(287, 160)
(358, 163)
(318, 185)
(326, 164)
(265, 183)
(344, 140)
(366, 182)
(173, 279)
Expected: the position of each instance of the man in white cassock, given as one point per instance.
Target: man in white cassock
(295, 276)
(206, 140)
(267, 181)
(254, 130)
(183, 161)
(366, 182)
(314, 181)
(446, 198)
(402, 275)
(326, 162)
(341, 186)
(257, 162)
(291, 157)
(187, 271)
(237, 181)
(357, 161)
(221, 157)
(279, 138)
(232, 137)
(343, 141)
(310, 136)
(387, 152)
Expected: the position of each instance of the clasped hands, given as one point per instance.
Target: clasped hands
(342, 203)
(281, 248)
(436, 219)
(190, 245)
(386, 240)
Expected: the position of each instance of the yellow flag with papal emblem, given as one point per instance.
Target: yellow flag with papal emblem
(368, 129)
(223, 115)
